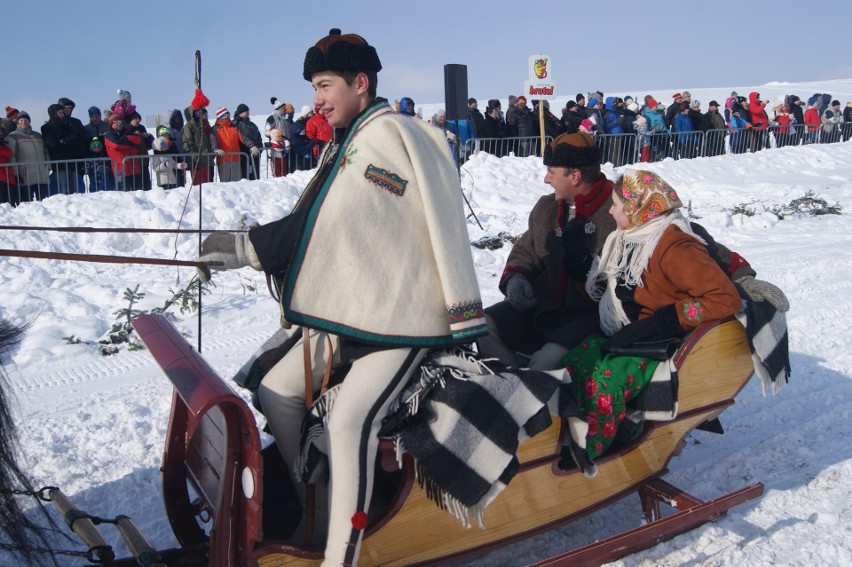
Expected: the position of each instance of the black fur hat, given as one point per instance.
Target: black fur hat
(337, 52)
(572, 150)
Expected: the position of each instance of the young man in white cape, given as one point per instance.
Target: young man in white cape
(374, 264)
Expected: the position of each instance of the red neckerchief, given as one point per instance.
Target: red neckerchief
(587, 205)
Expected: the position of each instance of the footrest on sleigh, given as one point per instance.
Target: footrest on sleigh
(691, 513)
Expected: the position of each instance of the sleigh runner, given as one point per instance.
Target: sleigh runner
(225, 510)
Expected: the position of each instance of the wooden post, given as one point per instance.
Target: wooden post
(82, 525)
(541, 124)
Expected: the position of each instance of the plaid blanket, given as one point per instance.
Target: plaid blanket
(766, 329)
(461, 419)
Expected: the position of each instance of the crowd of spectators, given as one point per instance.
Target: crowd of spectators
(119, 153)
(628, 130)
(114, 151)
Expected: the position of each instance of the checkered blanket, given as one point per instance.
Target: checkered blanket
(462, 421)
(766, 329)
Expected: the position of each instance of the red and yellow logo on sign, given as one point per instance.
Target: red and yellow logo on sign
(540, 67)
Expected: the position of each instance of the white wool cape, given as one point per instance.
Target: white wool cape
(385, 256)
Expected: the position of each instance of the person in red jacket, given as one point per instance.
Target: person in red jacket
(7, 173)
(813, 120)
(225, 141)
(318, 132)
(759, 121)
(123, 149)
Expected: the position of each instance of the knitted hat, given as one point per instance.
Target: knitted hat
(645, 196)
(53, 108)
(276, 103)
(580, 96)
(812, 100)
(305, 110)
(337, 52)
(114, 117)
(695, 103)
(572, 150)
(570, 104)
(592, 102)
(24, 114)
(685, 94)
(521, 99)
(651, 102)
(493, 103)
(677, 96)
(633, 107)
(241, 108)
(512, 100)
(123, 94)
(288, 108)
(66, 102)
(222, 113)
(12, 113)
(94, 111)
(441, 113)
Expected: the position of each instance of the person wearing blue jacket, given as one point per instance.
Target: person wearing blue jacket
(658, 130)
(686, 136)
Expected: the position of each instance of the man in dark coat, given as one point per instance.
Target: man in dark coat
(62, 144)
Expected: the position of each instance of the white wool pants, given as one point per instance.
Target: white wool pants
(371, 385)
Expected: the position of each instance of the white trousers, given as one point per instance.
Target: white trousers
(373, 382)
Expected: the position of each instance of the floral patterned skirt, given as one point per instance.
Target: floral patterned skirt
(604, 384)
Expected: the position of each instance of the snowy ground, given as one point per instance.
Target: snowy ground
(95, 425)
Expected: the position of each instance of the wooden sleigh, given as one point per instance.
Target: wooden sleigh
(213, 473)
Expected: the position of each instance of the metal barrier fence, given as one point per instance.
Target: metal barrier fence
(500, 147)
(624, 149)
(279, 162)
(29, 181)
(37, 180)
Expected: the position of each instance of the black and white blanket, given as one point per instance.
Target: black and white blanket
(461, 420)
(766, 329)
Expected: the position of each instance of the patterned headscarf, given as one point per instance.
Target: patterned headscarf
(646, 196)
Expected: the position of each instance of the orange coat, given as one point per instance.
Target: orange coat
(227, 139)
(680, 271)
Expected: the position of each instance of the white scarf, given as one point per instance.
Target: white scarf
(623, 260)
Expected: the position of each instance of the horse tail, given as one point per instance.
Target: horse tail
(15, 527)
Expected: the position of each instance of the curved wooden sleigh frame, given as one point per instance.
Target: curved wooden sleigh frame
(213, 472)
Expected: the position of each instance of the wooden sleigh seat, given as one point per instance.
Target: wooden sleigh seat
(213, 451)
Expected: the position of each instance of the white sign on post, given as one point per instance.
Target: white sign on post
(541, 82)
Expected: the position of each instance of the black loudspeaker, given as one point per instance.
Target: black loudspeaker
(455, 91)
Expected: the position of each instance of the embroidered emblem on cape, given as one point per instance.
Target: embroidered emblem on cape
(386, 179)
(693, 310)
(347, 158)
(465, 311)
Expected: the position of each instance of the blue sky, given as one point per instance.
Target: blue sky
(253, 50)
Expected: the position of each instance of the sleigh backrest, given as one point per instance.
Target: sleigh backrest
(212, 450)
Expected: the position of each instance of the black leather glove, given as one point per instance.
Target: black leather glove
(576, 257)
(662, 325)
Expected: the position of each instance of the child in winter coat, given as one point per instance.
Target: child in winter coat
(280, 148)
(123, 106)
(654, 282)
(166, 164)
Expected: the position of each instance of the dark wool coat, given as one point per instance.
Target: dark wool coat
(564, 313)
